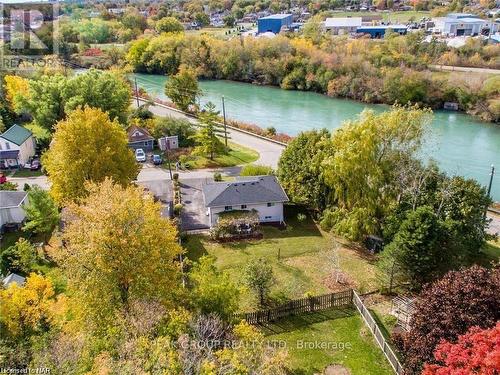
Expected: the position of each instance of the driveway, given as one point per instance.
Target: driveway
(193, 214)
(494, 227)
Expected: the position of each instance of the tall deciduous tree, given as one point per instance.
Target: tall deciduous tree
(42, 214)
(213, 290)
(51, 97)
(118, 250)
(361, 167)
(183, 88)
(476, 352)
(207, 138)
(447, 309)
(88, 146)
(169, 25)
(299, 169)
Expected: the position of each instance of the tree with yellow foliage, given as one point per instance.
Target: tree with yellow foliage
(87, 146)
(118, 249)
(28, 309)
(15, 86)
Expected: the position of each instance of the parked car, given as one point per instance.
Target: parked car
(156, 159)
(140, 155)
(35, 165)
(27, 165)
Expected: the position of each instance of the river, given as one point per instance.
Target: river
(459, 143)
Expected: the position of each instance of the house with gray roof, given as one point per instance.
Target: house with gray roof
(11, 207)
(13, 278)
(263, 194)
(17, 146)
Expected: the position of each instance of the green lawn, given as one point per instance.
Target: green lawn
(27, 173)
(346, 341)
(237, 155)
(301, 268)
(9, 239)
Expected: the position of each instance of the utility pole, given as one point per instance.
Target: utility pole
(492, 173)
(224, 116)
(167, 147)
(136, 92)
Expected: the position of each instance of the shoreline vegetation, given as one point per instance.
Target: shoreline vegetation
(394, 70)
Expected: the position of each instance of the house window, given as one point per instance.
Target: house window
(268, 217)
(7, 145)
(228, 208)
(270, 204)
(146, 143)
(243, 206)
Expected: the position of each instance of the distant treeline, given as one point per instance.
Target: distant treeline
(372, 71)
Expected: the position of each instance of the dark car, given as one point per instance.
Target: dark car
(35, 165)
(156, 159)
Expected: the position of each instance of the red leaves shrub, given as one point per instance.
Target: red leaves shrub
(93, 52)
(447, 309)
(476, 352)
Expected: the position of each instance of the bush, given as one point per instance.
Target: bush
(175, 176)
(301, 217)
(217, 177)
(178, 208)
(256, 170)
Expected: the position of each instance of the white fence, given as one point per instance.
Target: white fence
(377, 333)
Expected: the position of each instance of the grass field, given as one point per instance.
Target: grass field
(301, 267)
(394, 17)
(237, 155)
(27, 173)
(346, 341)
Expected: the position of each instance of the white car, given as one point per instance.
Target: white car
(140, 155)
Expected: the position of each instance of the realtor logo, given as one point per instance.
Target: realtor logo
(28, 34)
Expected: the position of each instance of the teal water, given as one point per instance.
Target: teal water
(459, 143)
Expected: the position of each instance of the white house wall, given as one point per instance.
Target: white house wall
(266, 214)
(26, 150)
(12, 215)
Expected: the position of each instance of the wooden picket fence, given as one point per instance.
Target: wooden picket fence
(298, 306)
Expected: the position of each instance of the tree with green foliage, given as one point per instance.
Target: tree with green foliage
(52, 97)
(299, 170)
(229, 20)
(418, 253)
(169, 25)
(259, 277)
(207, 137)
(213, 291)
(256, 170)
(19, 258)
(42, 214)
(363, 164)
(183, 88)
(169, 126)
(87, 146)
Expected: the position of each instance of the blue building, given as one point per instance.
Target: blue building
(273, 23)
(379, 30)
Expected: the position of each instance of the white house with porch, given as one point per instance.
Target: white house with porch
(261, 193)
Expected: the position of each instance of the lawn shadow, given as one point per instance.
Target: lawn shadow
(299, 223)
(294, 322)
(195, 248)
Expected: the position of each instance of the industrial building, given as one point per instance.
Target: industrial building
(379, 31)
(342, 25)
(464, 26)
(274, 23)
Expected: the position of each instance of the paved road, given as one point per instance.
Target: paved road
(465, 69)
(269, 152)
(494, 227)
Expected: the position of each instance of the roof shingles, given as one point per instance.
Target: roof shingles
(248, 190)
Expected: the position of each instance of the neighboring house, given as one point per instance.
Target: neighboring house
(261, 193)
(11, 207)
(17, 146)
(342, 25)
(13, 278)
(140, 138)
